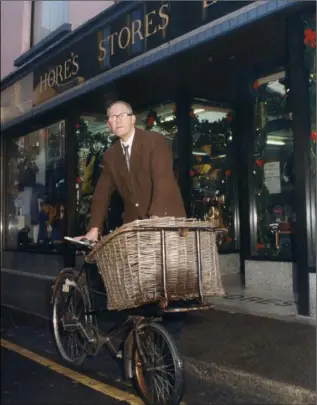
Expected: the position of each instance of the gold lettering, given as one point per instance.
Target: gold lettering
(165, 17)
(51, 78)
(148, 23)
(136, 31)
(67, 73)
(207, 3)
(102, 49)
(59, 74)
(128, 37)
(112, 42)
(43, 82)
(75, 64)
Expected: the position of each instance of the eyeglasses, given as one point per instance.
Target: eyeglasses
(122, 115)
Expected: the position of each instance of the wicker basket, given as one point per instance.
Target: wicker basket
(130, 262)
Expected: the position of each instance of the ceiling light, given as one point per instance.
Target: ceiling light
(200, 153)
(272, 142)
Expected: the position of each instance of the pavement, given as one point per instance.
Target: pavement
(230, 358)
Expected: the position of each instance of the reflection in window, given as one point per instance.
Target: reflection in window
(273, 174)
(36, 192)
(212, 188)
(93, 139)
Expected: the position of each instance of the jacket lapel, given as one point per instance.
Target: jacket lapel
(136, 153)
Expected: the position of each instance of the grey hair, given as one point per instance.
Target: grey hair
(129, 107)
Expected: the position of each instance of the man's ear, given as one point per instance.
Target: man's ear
(133, 119)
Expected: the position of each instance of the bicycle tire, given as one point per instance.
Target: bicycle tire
(81, 288)
(138, 372)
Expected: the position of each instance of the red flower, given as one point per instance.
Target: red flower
(192, 173)
(77, 126)
(313, 136)
(228, 173)
(259, 162)
(256, 85)
(191, 114)
(150, 121)
(229, 118)
(310, 37)
(78, 180)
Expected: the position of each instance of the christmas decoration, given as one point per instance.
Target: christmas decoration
(212, 189)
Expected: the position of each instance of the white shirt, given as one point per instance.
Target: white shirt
(128, 143)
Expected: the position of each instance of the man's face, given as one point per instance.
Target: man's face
(121, 121)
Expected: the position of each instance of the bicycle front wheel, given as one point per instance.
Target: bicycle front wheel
(158, 366)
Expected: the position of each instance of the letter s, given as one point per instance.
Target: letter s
(165, 17)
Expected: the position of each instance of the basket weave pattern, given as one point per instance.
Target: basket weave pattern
(130, 263)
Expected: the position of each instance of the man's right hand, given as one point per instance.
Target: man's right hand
(92, 235)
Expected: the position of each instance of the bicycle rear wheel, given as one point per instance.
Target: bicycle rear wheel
(158, 366)
(70, 341)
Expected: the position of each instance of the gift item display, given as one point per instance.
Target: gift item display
(212, 188)
(93, 139)
(273, 169)
(36, 194)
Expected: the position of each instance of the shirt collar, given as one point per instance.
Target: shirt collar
(129, 141)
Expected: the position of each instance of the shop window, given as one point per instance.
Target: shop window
(162, 119)
(36, 190)
(310, 59)
(93, 139)
(212, 186)
(47, 17)
(273, 174)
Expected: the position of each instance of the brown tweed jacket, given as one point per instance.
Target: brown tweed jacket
(149, 188)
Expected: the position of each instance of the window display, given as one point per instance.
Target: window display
(212, 186)
(93, 138)
(160, 119)
(36, 192)
(273, 173)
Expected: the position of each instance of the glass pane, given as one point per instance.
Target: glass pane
(212, 186)
(161, 119)
(93, 139)
(36, 192)
(310, 56)
(48, 15)
(273, 174)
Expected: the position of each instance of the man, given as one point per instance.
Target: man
(140, 167)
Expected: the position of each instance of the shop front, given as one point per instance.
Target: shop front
(222, 82)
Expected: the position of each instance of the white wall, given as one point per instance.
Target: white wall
(15, 32)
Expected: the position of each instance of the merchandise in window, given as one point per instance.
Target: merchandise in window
(273, 168)
(161, 119)
(93, 138)
(211, 173)
(36, 190)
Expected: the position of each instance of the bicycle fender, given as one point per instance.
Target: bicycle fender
(72, 272)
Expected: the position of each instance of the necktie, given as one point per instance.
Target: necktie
(127, 156)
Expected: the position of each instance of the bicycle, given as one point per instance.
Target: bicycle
(145, 349)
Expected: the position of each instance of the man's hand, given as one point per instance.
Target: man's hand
(91, 235)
